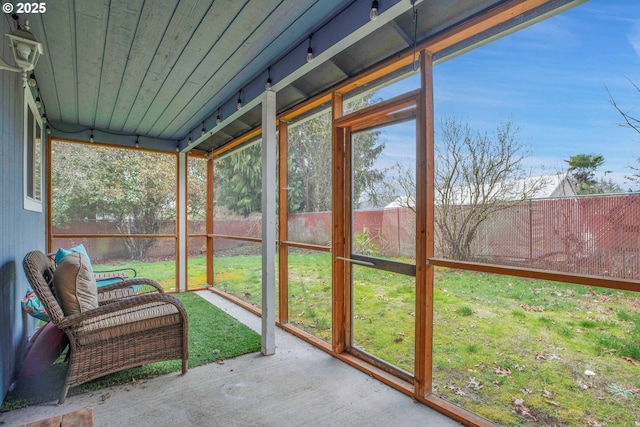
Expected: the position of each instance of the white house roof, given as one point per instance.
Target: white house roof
(535, 187)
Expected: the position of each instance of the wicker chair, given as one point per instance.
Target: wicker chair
(130, 327)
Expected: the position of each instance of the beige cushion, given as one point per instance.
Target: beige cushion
(74, 284)
(135, 320)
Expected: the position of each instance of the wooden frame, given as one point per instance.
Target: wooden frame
(411, 105)
(421, 387)
(283, 223)
(51, 235)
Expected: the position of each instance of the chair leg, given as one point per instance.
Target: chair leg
(63, 394)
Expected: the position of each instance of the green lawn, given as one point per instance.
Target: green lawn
(516, 351)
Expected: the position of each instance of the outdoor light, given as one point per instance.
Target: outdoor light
(137, 142)
(267, 85)
(48, 129)
(203, 130)
(38, 102)
(310, 50)
(218, 119)
(26, 51)
(374, 10)
(44, 118)
(91, 136)
(239, 105)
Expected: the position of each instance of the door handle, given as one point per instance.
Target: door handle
(356, 261)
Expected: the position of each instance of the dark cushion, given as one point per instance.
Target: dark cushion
(43, 349)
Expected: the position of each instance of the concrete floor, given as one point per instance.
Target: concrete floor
(298, 386)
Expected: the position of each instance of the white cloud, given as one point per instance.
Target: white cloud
(634, 38)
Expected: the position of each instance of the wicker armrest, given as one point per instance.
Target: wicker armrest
(146, 286)
(122, 311)
(128, 288)
(120, 273)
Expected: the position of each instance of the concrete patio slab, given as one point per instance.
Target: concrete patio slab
(298, 386)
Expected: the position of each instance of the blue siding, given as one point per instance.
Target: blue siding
(20, 231)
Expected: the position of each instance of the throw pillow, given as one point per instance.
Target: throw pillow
(61, 253)
(74, 284)
(34, 307)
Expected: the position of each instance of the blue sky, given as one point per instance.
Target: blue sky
(549, 79)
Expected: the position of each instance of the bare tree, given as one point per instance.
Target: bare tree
(476, 175)
(631, 122)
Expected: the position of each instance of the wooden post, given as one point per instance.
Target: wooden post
(210, 248)
(340, 287)
(283, 222)
(424, 231)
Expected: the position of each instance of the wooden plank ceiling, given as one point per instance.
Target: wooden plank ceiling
(159, 71)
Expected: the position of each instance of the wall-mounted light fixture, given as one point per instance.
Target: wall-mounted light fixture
(26, 52)
(310, 50)
(373, 14)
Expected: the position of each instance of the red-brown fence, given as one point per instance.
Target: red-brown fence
(584, 235)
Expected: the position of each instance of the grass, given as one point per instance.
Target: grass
(213, 336)
(512, 350)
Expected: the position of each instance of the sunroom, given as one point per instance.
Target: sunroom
(318, 163)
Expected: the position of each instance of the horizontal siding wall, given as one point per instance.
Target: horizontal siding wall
(20, 231)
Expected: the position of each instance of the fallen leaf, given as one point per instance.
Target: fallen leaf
(474, 384)
(502, 372)
(547, 394)
(457, 390)
(631, 360)
(553, 403)
(105, 396)
(520, 409)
